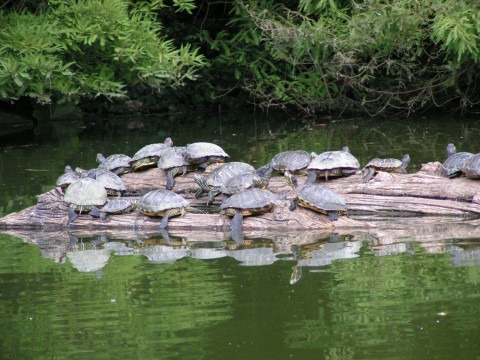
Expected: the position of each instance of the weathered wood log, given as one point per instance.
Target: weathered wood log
(423, 193)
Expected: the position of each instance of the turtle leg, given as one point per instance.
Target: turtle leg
(72, 215)
(164, 223)
(202, 182)
(170, 180)
(211, 195)
(332, 215)
(369, 172)
(326, 175)
(311, 177)
(165, 236)
(293, 204)
(184, 170)
(236, 227)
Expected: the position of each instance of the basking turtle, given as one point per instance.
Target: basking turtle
(294, 161)
(149, 155)
(246, 203)
(67, 177)
(259, 179)
(317, 197)
(389, 165)
(471, 167)
(453, 166)
(117, 163)
(110, 181)
(173, 162)
(333, 163)
(84, 195)
(164, 203)
(219, 176)
(204, 153)
(113, 207)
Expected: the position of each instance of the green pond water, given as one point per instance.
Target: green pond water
(325, 297)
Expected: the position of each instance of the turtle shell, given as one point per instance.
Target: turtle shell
(242, 182)
(67, 177)
(472, 167)
(204, 152)
(156, 202)
(116, 163)
(334, 163)
(118, 206)
(172, 158)
(110, 181)
(455, 162)
(85, 192)
(225, 172)
(320, 198)
(251, 201)
(292, 161)
(388, 164)
(149, 154)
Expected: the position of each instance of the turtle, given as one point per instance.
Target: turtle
(259, 179)
(248, 202)
(67, 177)
(84, 194)
(453, 165)
(294, 161)
(389, 165)
(204, 153)
(148, 155)
(164, 203)
(472, 167)
(119, 164)
(110, 181)
(333, 163)
(113, 206)
(173, 162)
(218, 177)
(317, 197)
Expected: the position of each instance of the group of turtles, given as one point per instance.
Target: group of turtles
(99, 191)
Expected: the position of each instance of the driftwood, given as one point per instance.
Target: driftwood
(424, 194)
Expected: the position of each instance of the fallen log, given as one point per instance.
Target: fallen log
(424, 193)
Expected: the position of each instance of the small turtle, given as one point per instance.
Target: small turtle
(316, 197)
(204, 153)
(259, 179)
(453, 166)
(333, 163)
(67, 177)
(294, 161)
(246, 203)
(119, 164)
(113, 207)
(84, 195)
(164, 203)
(471, 167)
(149, 155)
(389, 165)
(218, 177)
(110, 181)
(173, 162)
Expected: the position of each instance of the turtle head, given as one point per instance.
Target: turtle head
(291, 180)
(264, 171)
(168, 142)
(451, 149)
(345, 149)
(260, 182)
(100, 158)
(405, 160)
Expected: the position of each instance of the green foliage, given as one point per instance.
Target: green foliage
(90, 48)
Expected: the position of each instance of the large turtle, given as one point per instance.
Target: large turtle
(246, 203)
(317, 197)
(84, 195)
(471, 167)
(67, 177)
(148, 155)
(294, 161)
(173, 162)
(389, 165)
(204, 153)
(117, 163)
(218, 177)
(453, 166)
(333, 163)
(164, 203)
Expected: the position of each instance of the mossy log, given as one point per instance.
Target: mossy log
(423, 193)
